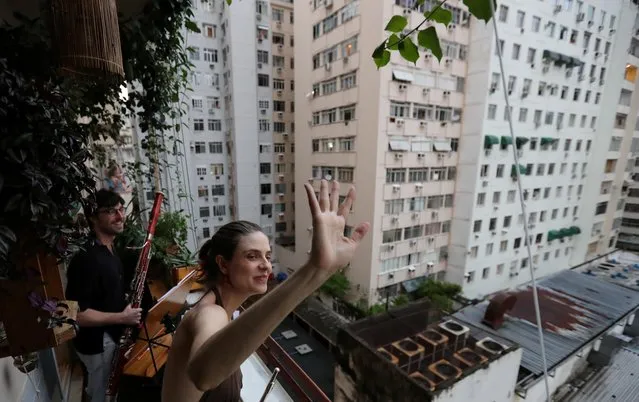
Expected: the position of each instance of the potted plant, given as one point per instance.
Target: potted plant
(182, 263)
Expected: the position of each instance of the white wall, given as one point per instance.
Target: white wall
(12, 381)
(243, 68)
(495, 383)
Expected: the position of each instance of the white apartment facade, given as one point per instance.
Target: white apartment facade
(394, 133)
(565, 63)
(227, 170)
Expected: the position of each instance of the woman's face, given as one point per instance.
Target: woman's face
(250, 267)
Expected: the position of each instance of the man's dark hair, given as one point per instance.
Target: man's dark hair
(102, 199)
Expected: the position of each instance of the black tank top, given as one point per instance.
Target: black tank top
(229, 390)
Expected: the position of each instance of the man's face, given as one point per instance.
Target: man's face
(110, 221)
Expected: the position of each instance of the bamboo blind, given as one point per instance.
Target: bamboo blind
(87, 37)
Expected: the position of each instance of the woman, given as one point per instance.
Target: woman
(116, 181)
(208, 348)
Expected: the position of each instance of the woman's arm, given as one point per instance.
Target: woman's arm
(222, 351)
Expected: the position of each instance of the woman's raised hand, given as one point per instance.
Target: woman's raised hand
(331, 250)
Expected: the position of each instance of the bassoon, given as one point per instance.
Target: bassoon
(135, 299)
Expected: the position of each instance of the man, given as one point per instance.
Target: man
(95, 281)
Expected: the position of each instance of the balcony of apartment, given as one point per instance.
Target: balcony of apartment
(633, 52)
(403, 89)
(404, 126)
(414, 218)
(418, 189)
(408, 273)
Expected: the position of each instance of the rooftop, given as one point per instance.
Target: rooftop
(620, 268)
(575, 308)
(430, 351)
(617, 381)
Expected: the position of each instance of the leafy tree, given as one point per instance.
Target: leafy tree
(400, 300)
(337, 285)
(440, 293)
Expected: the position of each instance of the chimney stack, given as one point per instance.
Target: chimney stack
(497, 308)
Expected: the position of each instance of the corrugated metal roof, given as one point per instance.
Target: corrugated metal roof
(575, 308)
(617, 381)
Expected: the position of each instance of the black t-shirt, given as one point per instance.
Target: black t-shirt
(95, 281)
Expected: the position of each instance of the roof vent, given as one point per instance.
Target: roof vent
(490, 347)
(456, 333)
(498, 307)
(388, 355)
(445, 370)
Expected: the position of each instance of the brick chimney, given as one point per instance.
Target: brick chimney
(497, 308)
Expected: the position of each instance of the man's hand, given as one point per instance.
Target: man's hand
(130, 315)
(331, 250)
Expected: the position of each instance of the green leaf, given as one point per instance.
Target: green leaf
(229, 2)
(480, 9)
(427, 38)
(440, 15)
(192, 26)
(408, 50)
(393, 41)
(383, 59)
(396, 24)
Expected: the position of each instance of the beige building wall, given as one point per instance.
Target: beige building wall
(281, 19)
(347, 130)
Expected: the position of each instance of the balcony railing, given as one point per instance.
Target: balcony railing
(300, 385)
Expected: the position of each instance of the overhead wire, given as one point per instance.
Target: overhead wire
(523, 206)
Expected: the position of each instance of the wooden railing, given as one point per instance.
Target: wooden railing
(299, 383)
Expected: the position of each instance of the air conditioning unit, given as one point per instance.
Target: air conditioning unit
(418, 186)
(415, 215)
(425, 91)
(402, 87)
(421, 156)
(398, 156)
(399, 122)
(411, 268)
(413, 243)
(484, 183)
(327, 67)
(488, 345)
(396, 188)
(394, 219)
(423, 124)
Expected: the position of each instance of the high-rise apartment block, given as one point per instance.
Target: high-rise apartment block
(429, 146)
(238, 141)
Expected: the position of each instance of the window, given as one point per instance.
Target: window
(205, 212)
(500, 170)
(198, 124)
(214, 125)
(215, 147)
(503, 245)
(503, 13)
(262, 80)
(481, 199)
(194, 53)
(521, 16)
(536, 23)
(530, 57)
(477, 226)
(210, 55)
(262, 56)
(492, 112)
(208, 31)
(523, 114)
(515, 52)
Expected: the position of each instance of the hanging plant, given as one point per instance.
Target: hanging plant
(48, 122)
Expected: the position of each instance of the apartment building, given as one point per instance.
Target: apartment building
(628, 227)
(280, 17)
(393, 132)
(238, 138)
(566, 67)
